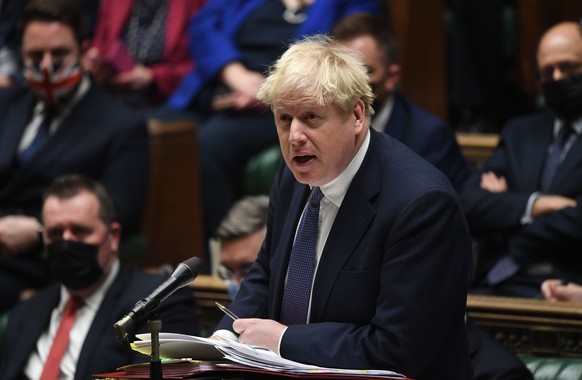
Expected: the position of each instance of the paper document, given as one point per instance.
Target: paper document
(180, 346)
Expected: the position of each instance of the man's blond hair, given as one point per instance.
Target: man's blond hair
(316, 65)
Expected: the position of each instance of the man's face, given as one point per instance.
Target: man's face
(317, 143)
(51, 56)
(383, 76)
(237, 255)
(77, 219)
(560, 53)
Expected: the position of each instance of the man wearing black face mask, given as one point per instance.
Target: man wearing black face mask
(59, 123)
(395, 114)
(82, 238)
(524, 205)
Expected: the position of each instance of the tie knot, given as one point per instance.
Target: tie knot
(73, 304)
(565, 131)
(316, 196)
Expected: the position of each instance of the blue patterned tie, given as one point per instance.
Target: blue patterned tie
(554, 157)
(301, 264)
(41, 137)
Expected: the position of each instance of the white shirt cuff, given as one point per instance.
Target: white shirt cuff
(527, 218)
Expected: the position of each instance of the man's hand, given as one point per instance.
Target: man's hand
(17, 233)
(244, 85)
(259, 332)
(555, 290)
(492, 183)
(138, 78)
(546, 204)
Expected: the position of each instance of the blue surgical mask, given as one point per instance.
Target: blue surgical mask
(232, 287)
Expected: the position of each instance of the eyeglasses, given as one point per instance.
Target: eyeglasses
(227, 274)
(546, 74)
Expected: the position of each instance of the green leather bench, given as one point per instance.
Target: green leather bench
(553, 368)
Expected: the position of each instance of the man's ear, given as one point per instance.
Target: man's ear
(359, 113)
(85, 45)
(393, 78)
(115, 231)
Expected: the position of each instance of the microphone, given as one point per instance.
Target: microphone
(184, 273)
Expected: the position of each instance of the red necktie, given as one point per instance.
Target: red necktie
(52, 366)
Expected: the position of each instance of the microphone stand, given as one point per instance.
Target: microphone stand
(155, 326)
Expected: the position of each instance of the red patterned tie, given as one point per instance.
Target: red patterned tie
(52, 366)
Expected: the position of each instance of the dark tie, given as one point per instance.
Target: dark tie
(41, 137)
(554, 157)
(503, 269)
(301, 264)
(52, 366)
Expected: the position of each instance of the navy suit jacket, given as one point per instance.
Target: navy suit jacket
(428, 136)
(101, 351)
(519, 157)
(100, 138)
(390, 290)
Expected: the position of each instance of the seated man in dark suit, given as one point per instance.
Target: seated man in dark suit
(523, 206)
(59, 123)
(360, 229)
(82, 239)
(395, 114)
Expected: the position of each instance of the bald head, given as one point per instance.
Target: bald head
(560, 52)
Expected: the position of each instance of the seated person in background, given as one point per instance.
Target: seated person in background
(239, 239)
(60, 123)
(10, 40)
(396, 115)
(93, 289)
(140, 48)
(523, 206)
(233, 43)
(560, 290)
(360, 229)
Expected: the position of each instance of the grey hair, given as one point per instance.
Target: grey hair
(246, 216)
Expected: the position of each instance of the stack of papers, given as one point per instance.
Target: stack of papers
(187, 347)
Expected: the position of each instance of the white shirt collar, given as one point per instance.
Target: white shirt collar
(380, 119)
(336, 189)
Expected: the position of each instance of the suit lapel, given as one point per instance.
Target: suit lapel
(283, 250)
(351, 223)
(535, 151)
(398, 121)
(120, 16)
(14, 123)
(570, 166)
(177, 17)
(42, 309)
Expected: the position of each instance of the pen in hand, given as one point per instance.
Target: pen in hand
(226, 311)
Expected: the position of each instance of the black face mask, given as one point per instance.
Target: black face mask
(564, 97)
(74, 263)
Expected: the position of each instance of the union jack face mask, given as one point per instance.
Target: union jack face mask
(54, 82)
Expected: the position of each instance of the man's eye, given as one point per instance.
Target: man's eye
(311, 116)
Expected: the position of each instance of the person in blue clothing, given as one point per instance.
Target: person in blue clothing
(397, 115)
(233, 43)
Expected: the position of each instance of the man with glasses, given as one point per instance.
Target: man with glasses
(522, 206)
(239, 237)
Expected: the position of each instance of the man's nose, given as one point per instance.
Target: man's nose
(46, 61)
(296, 131)
(68, 235)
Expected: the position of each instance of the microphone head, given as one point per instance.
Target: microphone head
(187, 271)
